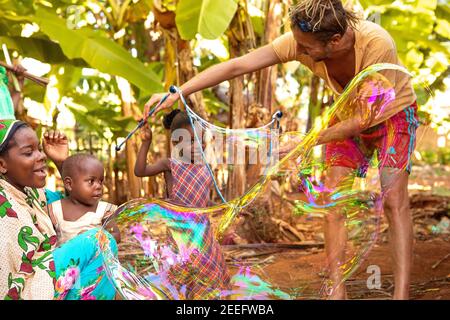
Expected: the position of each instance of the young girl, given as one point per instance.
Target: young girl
(82, 209)
(188, 184)
(31, 266)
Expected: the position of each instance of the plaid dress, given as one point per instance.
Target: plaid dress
(205, 273)
(191, 184)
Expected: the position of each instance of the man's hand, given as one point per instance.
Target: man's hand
(284, 150)
(287, 147)
(56, 147)
(156, 98)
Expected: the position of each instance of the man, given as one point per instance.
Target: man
(335, 45)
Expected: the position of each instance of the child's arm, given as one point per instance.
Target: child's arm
(56, 147)
(141, 168)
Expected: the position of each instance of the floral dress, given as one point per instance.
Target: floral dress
(30, 265)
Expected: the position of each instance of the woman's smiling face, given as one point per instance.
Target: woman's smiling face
(24, 164)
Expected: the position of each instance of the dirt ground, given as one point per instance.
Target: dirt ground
(430, 278)
(301, 271)
(295, 262)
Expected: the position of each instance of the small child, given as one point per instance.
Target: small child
(188, 184)
(82, 209)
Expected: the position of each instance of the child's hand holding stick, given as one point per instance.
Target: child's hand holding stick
(146, 133)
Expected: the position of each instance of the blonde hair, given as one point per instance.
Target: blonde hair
(323, 18)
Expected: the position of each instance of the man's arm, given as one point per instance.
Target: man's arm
(256, 60)
(340, 131)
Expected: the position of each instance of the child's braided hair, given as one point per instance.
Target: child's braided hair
(176, 119)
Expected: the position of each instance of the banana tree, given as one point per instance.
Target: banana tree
(421, 32)
(90, 45)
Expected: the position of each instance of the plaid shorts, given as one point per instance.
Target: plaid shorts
(393, 141)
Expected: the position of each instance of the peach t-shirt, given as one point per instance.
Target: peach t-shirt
(373, 45)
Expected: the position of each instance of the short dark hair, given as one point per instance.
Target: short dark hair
(323, 18)
(176, 119)
(75, 162)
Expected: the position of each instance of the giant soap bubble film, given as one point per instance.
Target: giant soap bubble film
(170, 251)
(271, 186)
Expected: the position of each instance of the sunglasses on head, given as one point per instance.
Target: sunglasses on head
(305, 26)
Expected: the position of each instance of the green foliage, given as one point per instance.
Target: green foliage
(40, 49)
(91, 46)
(95, 112)
(366, 3)
(209, 18)
(441, 156)
(420, 29)
(258, 24)
(138, 11)
(97, 50)
(33, 91)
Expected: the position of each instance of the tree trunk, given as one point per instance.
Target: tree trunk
(170, 69)
(116, 182)
(179, 68)
(265, 91)
(237, 178)
(133, 187)
(188, 71)
(178, 65)
(267, 77)
(265, 82)
(109, 183)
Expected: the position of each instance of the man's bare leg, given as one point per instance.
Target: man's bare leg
(335, 231)
(401, 236)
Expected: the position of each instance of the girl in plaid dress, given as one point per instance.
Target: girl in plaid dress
(188, 184)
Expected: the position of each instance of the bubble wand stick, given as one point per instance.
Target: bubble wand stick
(141, 122)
